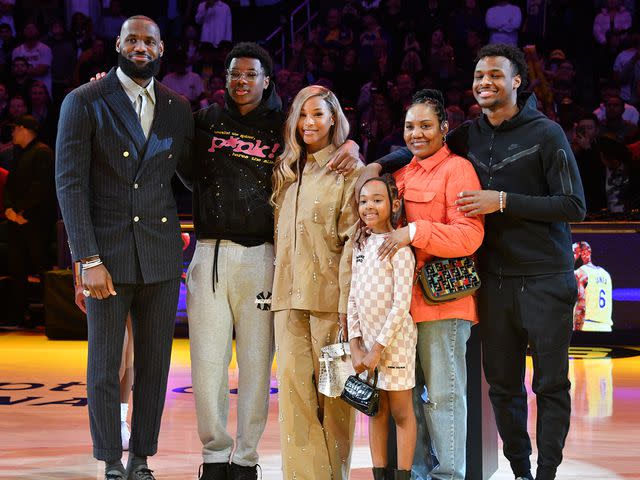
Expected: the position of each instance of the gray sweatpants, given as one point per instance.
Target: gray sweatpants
(245, 278)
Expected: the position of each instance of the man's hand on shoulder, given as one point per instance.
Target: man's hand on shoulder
(98, 76)
(346, 158)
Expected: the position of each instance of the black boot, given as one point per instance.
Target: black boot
(402, 475)
(379, 473)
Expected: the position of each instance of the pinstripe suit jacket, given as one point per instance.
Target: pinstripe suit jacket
(114, 185)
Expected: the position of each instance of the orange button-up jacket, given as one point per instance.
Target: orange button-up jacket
(430, 188)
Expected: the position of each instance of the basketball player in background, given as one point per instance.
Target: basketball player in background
(592, 312)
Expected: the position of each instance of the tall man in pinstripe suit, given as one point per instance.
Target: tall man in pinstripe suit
(119, 143)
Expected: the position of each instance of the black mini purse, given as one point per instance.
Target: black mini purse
(362, 395)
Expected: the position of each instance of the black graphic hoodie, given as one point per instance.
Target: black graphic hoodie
(233, 162)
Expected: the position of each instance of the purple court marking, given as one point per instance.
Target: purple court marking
(626, 294)
(624, 393)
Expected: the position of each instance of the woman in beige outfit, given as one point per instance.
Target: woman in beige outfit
(315, 216)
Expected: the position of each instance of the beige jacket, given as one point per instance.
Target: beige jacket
(315, 219)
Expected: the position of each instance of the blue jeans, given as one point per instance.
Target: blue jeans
(442, 346)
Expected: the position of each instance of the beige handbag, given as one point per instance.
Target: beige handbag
(335, 367)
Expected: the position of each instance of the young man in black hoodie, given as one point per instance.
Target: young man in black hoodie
(230, 277)
(532, 190)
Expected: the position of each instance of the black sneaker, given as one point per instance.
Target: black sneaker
(115, 475)
(141, 472)
(213, 471)
(239, 472)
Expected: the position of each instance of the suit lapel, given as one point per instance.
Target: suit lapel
(122, 108)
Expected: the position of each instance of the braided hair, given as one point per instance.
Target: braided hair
(433, 97)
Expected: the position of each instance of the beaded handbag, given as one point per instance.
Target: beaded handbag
(448, 279)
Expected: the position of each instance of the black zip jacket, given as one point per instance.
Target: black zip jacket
(528, 157)
(233, 162)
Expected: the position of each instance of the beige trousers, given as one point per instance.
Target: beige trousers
(316, 432)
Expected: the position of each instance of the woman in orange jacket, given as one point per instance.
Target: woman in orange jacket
(436, 229)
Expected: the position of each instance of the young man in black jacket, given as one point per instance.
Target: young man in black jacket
(532, 190)
(230, 277)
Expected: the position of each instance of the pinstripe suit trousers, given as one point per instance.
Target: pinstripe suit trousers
(153, 312)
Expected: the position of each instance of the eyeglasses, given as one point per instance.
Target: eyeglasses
(250, 76)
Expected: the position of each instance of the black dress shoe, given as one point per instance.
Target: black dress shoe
(239, 472)
(141, 472)
(213, 471)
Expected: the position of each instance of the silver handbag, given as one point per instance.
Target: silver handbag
(335, 367)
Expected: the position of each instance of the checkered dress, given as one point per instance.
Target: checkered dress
(379, 303)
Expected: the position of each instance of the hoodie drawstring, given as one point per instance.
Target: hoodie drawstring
(215, 264)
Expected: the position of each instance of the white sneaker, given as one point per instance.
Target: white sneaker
(125, 434)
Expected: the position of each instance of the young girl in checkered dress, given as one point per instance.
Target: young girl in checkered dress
(382, 334)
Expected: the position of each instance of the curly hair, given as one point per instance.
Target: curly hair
(251, 50)
(513, 54)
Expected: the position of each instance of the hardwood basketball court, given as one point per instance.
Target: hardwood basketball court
(45, 432)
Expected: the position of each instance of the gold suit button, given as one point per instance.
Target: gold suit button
(125, 154)
(164, 219)
(136, 218)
